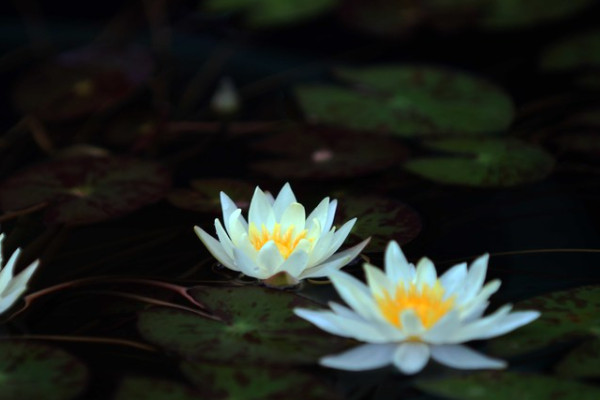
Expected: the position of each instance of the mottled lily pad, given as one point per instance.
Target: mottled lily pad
(507, 385)
(380, 218)
(205, 194)
(510, 14)
(227, 382)
(86, 190)
(320, 154)
(269, 13)
(583, 361)
(573, 53)
(483, 163)
(409, 101)
(565, 315)
(82, 81)
(258, 326)
(144, 388)
(37, 371)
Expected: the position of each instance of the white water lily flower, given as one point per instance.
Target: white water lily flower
(408, 314)
(279, 244)
(11, 288)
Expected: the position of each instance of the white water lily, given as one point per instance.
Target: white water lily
(11, 288)
(407, 315)
(279, 244)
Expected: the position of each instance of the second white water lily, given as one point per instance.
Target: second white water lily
(279, 244)
(408, 314)
(12, 287)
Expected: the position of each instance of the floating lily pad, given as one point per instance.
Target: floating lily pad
(82, 81)
(583, 361)
(36, 371)
(319, 154)
(380, 218)
(576, 52)
(205, 194)
(258, 326)
(143, 388)
(509, 14)
(268, 13)
(227, 382)
(483, 163)
(86, 190)
(409, 101)
(565, 315)
(508, 385)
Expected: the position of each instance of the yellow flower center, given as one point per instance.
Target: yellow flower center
(286, 241)
(426, 301)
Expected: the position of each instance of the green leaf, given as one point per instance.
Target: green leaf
(583, 361)
(205, 194)
(507, 385)
(144, 388)
(258, 326)
(409, 101)
(86, 190)
(228, 382)
(565, 315)
(575, 52)
(483, 163)
(268, 13)
(36, 371)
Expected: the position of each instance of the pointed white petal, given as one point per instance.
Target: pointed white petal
(457, 356)
(330, 216)
(260, 211)
(411, 324)
(396, 267)
(313, 230)
(269, 258)
(355, 294)
(224, 238)
(19, 283)
(454, 279)
(377, 281)
(343, 311)
(509, 323)
(411, 357)
(236, 227)
(482, 297)
(228, 206)
(248, 266)
(426, 274)
(319, 213)
(283, 200)
(293, 216)
(6, 274)
(439, 333)
(480, 328)
(215, 248)
(336, 261)
(365, 357)
(324, 320)
(295, 263)
(340, 235)
(321, 248)
(474, 280)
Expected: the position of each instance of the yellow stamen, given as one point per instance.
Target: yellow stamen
(426, 301)
(286, 241)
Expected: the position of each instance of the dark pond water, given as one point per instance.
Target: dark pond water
(455, 128)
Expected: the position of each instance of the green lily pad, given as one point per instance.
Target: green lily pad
(380, 218)
(507, 385)
(565, 315)
(205, 194)
(582, 362)
(320, 154)
(409, 101)
(144, 388)
(82, 81)
(36, 371)
(86, 190)
(483, 163)
(257, 326)
(576, 52)
(269, 13)
(510, 14)
(227, 382)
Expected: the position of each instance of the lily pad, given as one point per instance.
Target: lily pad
(320, 154)
(86, 190)
(507, 385)
(483, 163)
(269, 13)
(380, 218)
(205, 194)
(510, 14)
(82, 81)
(565, 315)
(227, 382)
(573, 53)
(36, 371)
(409, 101)
(583, 361)
(257, 326)
(143, 388)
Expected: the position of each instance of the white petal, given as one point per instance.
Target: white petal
(411, 324)
(396, 267)
(314, 230)
(19, 283)
(260, 211)
(480, 328)
(247, 266)
(343, 311)
(454, 279)
(293, 216)
(330, 216)
(215, 248)
(426, 274)
(336, 261)
(509, 323)
(224, 238)
(320, 214)
(228, 206)
(295, 263)
(236, 227)
(457, 356)
(324, 320)
(444, 328)
(355, 294)
(411, 357)
(481, 298)
(321, 248)
(6, 274)
(474, 280)
(283, 200)
(377, 281)
(341, 234)
(269, 259)
(365, 357)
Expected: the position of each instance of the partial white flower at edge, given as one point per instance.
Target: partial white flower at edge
(407, 315)
(12, 287)
(279, 244)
